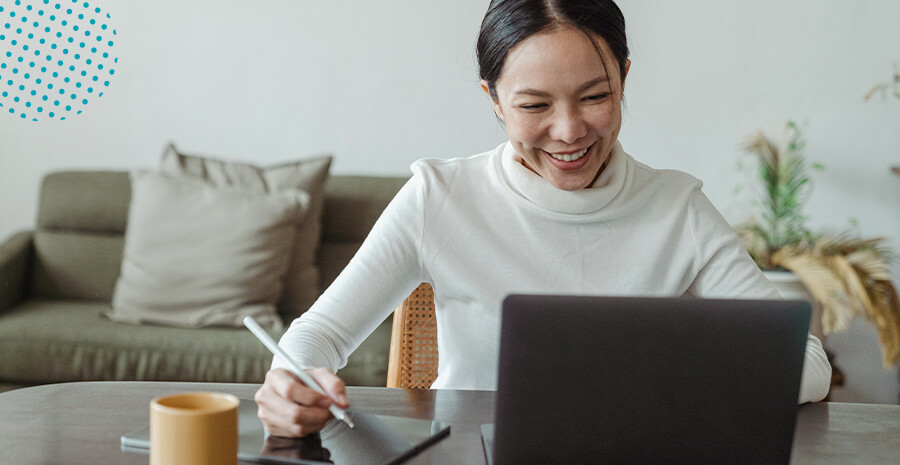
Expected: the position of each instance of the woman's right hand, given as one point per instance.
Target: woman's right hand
(289, 408)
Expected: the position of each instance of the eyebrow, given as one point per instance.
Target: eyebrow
(584, 87)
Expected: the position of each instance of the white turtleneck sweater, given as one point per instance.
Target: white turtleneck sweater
(483, 227)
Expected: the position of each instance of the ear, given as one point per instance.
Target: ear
(627, 67)
(487, 90)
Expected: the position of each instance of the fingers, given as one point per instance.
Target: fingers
(288, 408)
(288, 386)
(332, 385)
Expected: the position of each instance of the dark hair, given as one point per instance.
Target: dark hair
(509, 22)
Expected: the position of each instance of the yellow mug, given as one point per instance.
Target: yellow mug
(194, 428)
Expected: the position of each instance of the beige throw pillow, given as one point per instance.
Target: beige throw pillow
(199, 255)
(301, 286)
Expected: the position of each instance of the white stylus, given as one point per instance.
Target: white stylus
(270, 344)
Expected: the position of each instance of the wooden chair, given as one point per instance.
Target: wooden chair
(413, 359)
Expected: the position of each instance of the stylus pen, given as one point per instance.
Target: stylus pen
(270, 344)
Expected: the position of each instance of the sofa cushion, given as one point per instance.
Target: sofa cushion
(198, 255)
(301, 286)
(76, 265)
(44, 341)
(84, 201)
(354, 203)
(59, 341)
(78, 239)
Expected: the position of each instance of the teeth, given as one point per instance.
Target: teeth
(569, 157)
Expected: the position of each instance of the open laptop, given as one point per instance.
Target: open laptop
(647, 380)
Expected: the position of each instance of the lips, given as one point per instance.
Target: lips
(569, 156)
(570, 160)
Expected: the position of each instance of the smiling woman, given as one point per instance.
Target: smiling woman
(559, 209)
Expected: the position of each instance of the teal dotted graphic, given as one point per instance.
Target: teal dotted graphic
(56, 57)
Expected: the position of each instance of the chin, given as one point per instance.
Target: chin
(570, 184)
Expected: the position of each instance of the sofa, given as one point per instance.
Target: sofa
(57, 281)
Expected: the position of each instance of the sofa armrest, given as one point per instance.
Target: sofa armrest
(15, 257)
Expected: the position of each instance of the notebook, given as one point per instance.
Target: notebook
(647, 380)
(376, 439)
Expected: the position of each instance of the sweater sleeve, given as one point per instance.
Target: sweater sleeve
(727, 271)
(385, 269)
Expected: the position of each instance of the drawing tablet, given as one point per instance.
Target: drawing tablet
(376, 439)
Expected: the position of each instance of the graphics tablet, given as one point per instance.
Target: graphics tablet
(376, 439)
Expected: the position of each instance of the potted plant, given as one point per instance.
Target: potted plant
(845, 274)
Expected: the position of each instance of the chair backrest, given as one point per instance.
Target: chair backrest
(413, 360)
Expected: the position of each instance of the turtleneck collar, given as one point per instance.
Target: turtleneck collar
(537, 191)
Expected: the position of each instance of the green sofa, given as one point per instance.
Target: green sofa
(56, 281)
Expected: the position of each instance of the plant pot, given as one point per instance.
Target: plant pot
(790, 287)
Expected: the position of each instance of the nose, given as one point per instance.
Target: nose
(568, 125)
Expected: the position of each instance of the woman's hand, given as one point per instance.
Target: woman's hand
(289, 408)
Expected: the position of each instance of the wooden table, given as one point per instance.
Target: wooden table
(80, 423)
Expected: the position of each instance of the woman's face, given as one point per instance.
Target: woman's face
(561, 108)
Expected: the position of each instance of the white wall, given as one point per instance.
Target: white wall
(380, 84)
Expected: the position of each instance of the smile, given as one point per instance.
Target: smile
(569, 156)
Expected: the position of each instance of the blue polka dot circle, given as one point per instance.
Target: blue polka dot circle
(56, 57)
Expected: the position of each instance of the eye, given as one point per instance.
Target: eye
(533, 106)
(597, 97)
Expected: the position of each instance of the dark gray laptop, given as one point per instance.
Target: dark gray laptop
(647, 380)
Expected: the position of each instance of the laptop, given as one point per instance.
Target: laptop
(630, 380)
(376, 439)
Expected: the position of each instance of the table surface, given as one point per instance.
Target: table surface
(81, 423)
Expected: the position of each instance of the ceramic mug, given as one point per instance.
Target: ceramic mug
(194, 428)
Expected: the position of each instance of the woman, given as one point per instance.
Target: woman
(560, 208)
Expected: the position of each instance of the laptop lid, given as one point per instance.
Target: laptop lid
(648, 380)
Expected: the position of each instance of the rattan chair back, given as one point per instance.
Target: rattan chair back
(413, 359)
